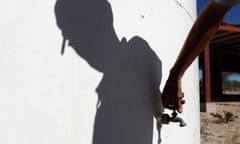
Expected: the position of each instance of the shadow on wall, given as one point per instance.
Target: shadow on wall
(132, 71)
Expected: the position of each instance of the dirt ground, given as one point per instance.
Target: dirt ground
(222, 126)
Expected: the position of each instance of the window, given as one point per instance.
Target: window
(230, 83)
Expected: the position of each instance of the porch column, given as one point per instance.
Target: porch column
(207, 74)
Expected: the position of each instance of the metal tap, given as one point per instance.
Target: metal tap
(166, 119)
(163, 118)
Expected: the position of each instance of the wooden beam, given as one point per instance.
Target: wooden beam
(207, 74)
(229, 28)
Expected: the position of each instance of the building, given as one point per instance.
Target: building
(219, 67)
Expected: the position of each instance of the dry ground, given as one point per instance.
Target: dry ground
(215, 131)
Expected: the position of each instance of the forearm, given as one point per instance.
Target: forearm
(200, 35)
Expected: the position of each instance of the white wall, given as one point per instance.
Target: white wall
(46, 98)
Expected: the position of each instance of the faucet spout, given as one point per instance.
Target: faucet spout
(180, 120)
(175, 118)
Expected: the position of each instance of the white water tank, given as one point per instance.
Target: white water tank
(46, 98)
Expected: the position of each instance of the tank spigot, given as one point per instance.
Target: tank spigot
(163, 118)
(166, 119)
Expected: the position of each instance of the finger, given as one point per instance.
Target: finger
(180, 109)
(180, 106)
(180, 96)
(182, 102)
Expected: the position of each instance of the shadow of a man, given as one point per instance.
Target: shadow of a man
(132, 71)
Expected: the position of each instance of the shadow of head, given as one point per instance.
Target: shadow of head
(83, 20)
(88, 25)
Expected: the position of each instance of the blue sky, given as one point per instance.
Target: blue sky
(233, 16)
(234, 77)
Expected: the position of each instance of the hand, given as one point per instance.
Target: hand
(172, 96)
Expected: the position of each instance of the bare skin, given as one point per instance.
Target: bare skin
(199, 37)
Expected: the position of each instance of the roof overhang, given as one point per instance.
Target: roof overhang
(227, 38)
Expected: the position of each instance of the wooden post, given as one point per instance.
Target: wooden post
(207, 74)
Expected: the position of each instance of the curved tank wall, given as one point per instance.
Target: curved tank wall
(46, 98)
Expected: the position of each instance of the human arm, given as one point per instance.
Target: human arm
(199, 37)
